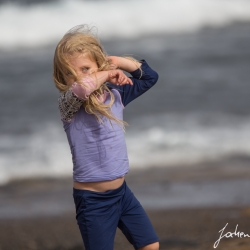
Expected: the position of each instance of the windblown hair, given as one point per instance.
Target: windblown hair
(81, 40)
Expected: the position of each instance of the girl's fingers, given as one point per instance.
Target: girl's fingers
(119, 78)
(130, 81)
(126, 81)
(123, 79)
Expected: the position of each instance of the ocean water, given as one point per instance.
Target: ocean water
(44, 22)
(198, 111)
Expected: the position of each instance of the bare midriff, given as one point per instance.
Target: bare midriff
(101, 186)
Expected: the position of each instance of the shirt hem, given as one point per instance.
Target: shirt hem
(79, 179)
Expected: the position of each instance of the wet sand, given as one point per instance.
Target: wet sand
(179, 228)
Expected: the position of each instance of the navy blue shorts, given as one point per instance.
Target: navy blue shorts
(98, 214)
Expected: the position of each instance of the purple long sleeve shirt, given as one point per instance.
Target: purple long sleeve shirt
(99, 150)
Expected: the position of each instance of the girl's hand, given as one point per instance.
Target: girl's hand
(117, 77)
(113, 60)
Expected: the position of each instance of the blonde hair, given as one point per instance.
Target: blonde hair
(81, 39)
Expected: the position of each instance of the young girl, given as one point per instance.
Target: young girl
(94, 93)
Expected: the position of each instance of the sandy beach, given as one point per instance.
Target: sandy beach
(179, 227)
(182, 229)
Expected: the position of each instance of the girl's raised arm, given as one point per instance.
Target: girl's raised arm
(124, 63)
(143, 77)
(71, 101)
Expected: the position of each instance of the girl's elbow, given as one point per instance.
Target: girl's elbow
(155, 78)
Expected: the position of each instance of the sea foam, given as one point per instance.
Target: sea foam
(174, 140)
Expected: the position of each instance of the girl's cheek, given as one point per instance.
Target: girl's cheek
(69, 81)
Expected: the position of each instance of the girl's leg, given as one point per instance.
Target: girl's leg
(97, 215)
(135, 224)
(153, 246)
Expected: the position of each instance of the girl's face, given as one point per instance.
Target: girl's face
(83, 65)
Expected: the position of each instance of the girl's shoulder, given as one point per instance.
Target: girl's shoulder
(69, 104)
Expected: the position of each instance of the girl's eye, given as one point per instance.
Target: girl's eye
(85, 69)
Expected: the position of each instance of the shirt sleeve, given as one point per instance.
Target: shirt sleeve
(142, 79)
(85, 88)
(71, 101)
(69, 104)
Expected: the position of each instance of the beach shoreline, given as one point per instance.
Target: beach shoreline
(179, 227)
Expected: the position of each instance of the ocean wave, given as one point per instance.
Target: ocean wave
(43, 24)
(188, 139)
(174, 140)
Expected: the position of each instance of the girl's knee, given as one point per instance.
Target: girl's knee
(153, 246)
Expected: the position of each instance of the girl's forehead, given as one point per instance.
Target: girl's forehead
(79, 55)
(80, 59)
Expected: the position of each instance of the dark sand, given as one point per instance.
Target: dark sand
(178, 229)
